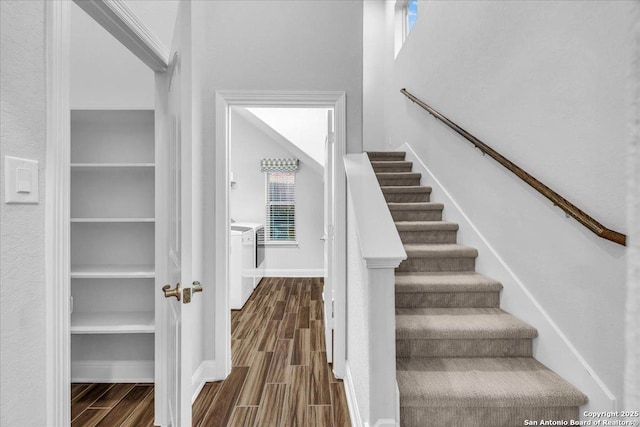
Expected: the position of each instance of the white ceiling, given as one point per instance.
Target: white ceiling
(306, 128)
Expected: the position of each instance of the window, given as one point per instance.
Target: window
(406, 14)
(280, 200)
(411, 14)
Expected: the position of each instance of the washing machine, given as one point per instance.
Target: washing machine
(257, 244)
(240, 265)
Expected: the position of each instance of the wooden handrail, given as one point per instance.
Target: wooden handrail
(558, 200)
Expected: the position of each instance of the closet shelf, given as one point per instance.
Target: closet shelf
(125, 322)
(115, 166)
(112, 271)
(103, 220)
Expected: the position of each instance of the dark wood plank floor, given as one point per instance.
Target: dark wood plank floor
(280, 375)
(108, 405)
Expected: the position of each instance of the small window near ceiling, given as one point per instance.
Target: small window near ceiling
(280, 200)
(406, 14)
(411, 14)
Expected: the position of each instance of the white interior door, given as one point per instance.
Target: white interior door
(176, 259)
(328, 293)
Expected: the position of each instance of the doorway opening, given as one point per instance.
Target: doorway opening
(280, 199)
(278, 192)
(279, 186)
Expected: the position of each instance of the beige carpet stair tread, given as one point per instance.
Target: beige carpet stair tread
(438, 250)
(399, 175)
(482, 382)
(445, 282)
(415, 206)
(376, 154)
(426, 226)
(460, 323)
(391, 163)
(406, 189)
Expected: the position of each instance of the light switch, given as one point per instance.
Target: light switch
(21, 180)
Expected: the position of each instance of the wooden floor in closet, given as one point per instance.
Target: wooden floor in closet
(280, 375)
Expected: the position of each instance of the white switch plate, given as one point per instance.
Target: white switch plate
(20, 180)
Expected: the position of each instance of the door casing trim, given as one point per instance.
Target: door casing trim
(57, 215)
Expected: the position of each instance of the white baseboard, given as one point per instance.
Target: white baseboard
(205, 373)
(552, 348)
(382, 423)
(291, 272)
(352, 401)
(112, 371)
(397, 403)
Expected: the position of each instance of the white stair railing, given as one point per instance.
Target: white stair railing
(374, 250)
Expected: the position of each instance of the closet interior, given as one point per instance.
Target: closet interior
(112, 245)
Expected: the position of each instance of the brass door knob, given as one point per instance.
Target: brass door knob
(197, 287)
(168, 292)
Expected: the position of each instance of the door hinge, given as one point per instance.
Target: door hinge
(70, 305)
(332, 138)
(333, 305)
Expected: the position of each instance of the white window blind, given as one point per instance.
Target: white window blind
(280, 224)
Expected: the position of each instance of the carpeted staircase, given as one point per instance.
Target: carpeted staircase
(461, 360)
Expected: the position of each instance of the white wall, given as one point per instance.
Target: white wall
(632, 369)
(103, 73)
(249, 145)
(285, 45)
(374, 68)
(543, 83)
(22, 277)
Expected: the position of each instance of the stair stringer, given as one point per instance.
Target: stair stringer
(553, 348)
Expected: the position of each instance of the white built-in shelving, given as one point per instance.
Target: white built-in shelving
(119, 322)
(110, 271)
(112, 243)
(94, 166)
(103, 220)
